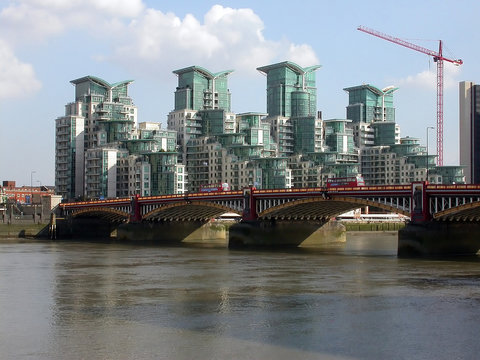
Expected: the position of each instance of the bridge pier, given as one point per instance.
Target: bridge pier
(438, 239)
(271, 233)
(168, 232)
(83, 228)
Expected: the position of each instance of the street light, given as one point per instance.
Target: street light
(428, 128)
(31, 186)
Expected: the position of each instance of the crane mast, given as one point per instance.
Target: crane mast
(439, 59)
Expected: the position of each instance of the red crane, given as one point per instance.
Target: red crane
(438, 58)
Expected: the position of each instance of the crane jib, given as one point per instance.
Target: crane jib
(438, 58)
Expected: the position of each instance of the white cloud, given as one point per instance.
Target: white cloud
(142, 37)
(37, 20)
(16, 78)
(228, 38)
(156, 35)
(234, 26)
(32, 22)
(303, 55)
(428, 79)
(26, 23)
(122, 8)
(148, 40)
(116, 8)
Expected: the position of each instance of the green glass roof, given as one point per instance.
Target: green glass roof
(294, 67)
(100, 82)
(203, 71)
(374, 89)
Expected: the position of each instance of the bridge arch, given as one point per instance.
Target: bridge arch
(322, 209)
(188, 211)
(465, 212)
(107, 214)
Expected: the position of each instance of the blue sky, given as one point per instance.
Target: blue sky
(46, 43)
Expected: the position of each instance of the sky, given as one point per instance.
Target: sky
(44, 44)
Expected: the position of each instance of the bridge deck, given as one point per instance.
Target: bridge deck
(445, 203)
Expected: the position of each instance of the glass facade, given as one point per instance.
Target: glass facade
(109, 153)
(291, 89)
(367, 103)
(475, 148)
(69, 154)
(385, 133)
(164, 174)
(305, 134)
(200, 89)
(102, 151)
(339, 136)
(292, 93)
(275, 173)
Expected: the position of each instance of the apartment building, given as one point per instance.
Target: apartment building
(102, 151)
(292, 107)
(469, 124)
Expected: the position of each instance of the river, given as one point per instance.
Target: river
(357, 300)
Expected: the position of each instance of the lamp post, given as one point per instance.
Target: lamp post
(428, 128)
(31, 186)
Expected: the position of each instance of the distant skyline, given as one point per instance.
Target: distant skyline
(44, 44)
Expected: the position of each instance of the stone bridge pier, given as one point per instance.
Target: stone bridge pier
(439, 239)
(278, 233)
(445, 221)
(287, 223)
(163, 232)
(84, 228)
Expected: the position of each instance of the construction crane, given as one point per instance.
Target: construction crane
(438, 58)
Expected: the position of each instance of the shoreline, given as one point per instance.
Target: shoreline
(20, 231)
(40, 231)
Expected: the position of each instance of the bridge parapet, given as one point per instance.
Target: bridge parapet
(320, 203)
(111, 210)
(421, 201)
(206, 205)
(454, 202)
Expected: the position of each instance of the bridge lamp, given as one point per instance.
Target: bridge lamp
(428, 128)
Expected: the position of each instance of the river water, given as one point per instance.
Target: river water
(81, 300)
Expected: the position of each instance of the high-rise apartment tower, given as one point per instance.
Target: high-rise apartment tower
(292, 107)
(469, 108)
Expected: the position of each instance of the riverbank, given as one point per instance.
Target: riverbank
(39, 230)
(372, 226)
(21, 230)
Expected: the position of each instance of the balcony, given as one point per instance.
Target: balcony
(193, 131)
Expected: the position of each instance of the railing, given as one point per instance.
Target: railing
(439, 197)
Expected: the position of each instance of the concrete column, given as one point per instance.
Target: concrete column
(271, 233)
(438, 239)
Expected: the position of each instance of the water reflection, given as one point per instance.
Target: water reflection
(357, 300)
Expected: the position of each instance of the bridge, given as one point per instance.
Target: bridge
(423, 203)
(442, 203)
